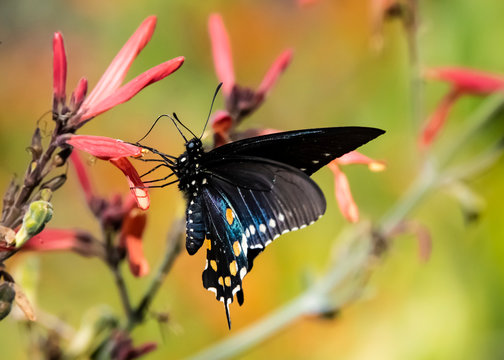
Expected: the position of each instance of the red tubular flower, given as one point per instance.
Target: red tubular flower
(240, 101)
(138, 189)
(129, 90)
(64, 240)
(346, 203)
(83, 177)
(464, 82)
(59, 70)
(108, 92)
(221, 50)
(131, 239)
(104, 148)
(115, 151)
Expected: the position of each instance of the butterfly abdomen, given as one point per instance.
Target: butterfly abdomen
(191, 181)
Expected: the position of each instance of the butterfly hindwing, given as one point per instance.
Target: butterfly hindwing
(246, 211)
(226, 258)
(291, 202)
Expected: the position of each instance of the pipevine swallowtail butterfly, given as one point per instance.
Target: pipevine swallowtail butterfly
(243, 195)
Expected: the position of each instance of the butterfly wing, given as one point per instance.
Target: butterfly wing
(249, 202)
(307, 150)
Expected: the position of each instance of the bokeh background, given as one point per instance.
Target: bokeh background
(449, 307)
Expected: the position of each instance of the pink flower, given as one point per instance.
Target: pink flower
(240, 101)
(108, 92)
(346, 203)
(115, 151)
(463, 82)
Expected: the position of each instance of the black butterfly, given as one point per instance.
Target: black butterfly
(243, 195)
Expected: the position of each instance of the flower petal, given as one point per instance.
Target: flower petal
(79, 94)
(59, 69)
(83, 177)
(131, 88)
(64, 240)
(138, 189)
(131, 238)
(343, 194)
(277, 68)
(355, 157)
(113, 77)
(468, 80)
(222, 123)
(221, 50)
(103, 147)
(436, 121)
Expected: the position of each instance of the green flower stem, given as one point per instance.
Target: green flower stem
(172, 250)
(312, 301)
(484, 114)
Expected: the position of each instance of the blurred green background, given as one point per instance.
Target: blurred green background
(447, 308)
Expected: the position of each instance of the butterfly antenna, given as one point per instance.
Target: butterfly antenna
(211, 106)
(152, 127)
(175, 123)
(185, 127)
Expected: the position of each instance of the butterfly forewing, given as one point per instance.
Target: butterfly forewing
(307, 150)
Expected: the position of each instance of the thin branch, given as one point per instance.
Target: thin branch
(172, 250)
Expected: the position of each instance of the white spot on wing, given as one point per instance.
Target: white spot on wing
(212, 289)
(204, 181)
(243, 272)
(281, 217)
(315, 161)
(247, 233)
(256, 246)
(252, 229)
(294, 228)
(262, 228)
(235, 290)
(268, 242)
(272, 223)
(244, 244)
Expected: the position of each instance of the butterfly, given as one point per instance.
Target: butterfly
(243, 195)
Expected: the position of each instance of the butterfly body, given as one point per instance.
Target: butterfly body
(243, 195)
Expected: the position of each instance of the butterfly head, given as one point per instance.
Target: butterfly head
(194, 147)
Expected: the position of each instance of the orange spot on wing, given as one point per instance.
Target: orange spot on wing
(213, 264)
(227, 281)
(229, 216)
(233, 268)
(236, 248)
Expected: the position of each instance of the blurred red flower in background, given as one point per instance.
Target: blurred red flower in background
(463, 81)
(240, 101)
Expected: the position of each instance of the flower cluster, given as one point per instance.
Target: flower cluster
(242, 101)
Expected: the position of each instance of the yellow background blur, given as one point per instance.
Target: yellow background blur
(447, 308)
